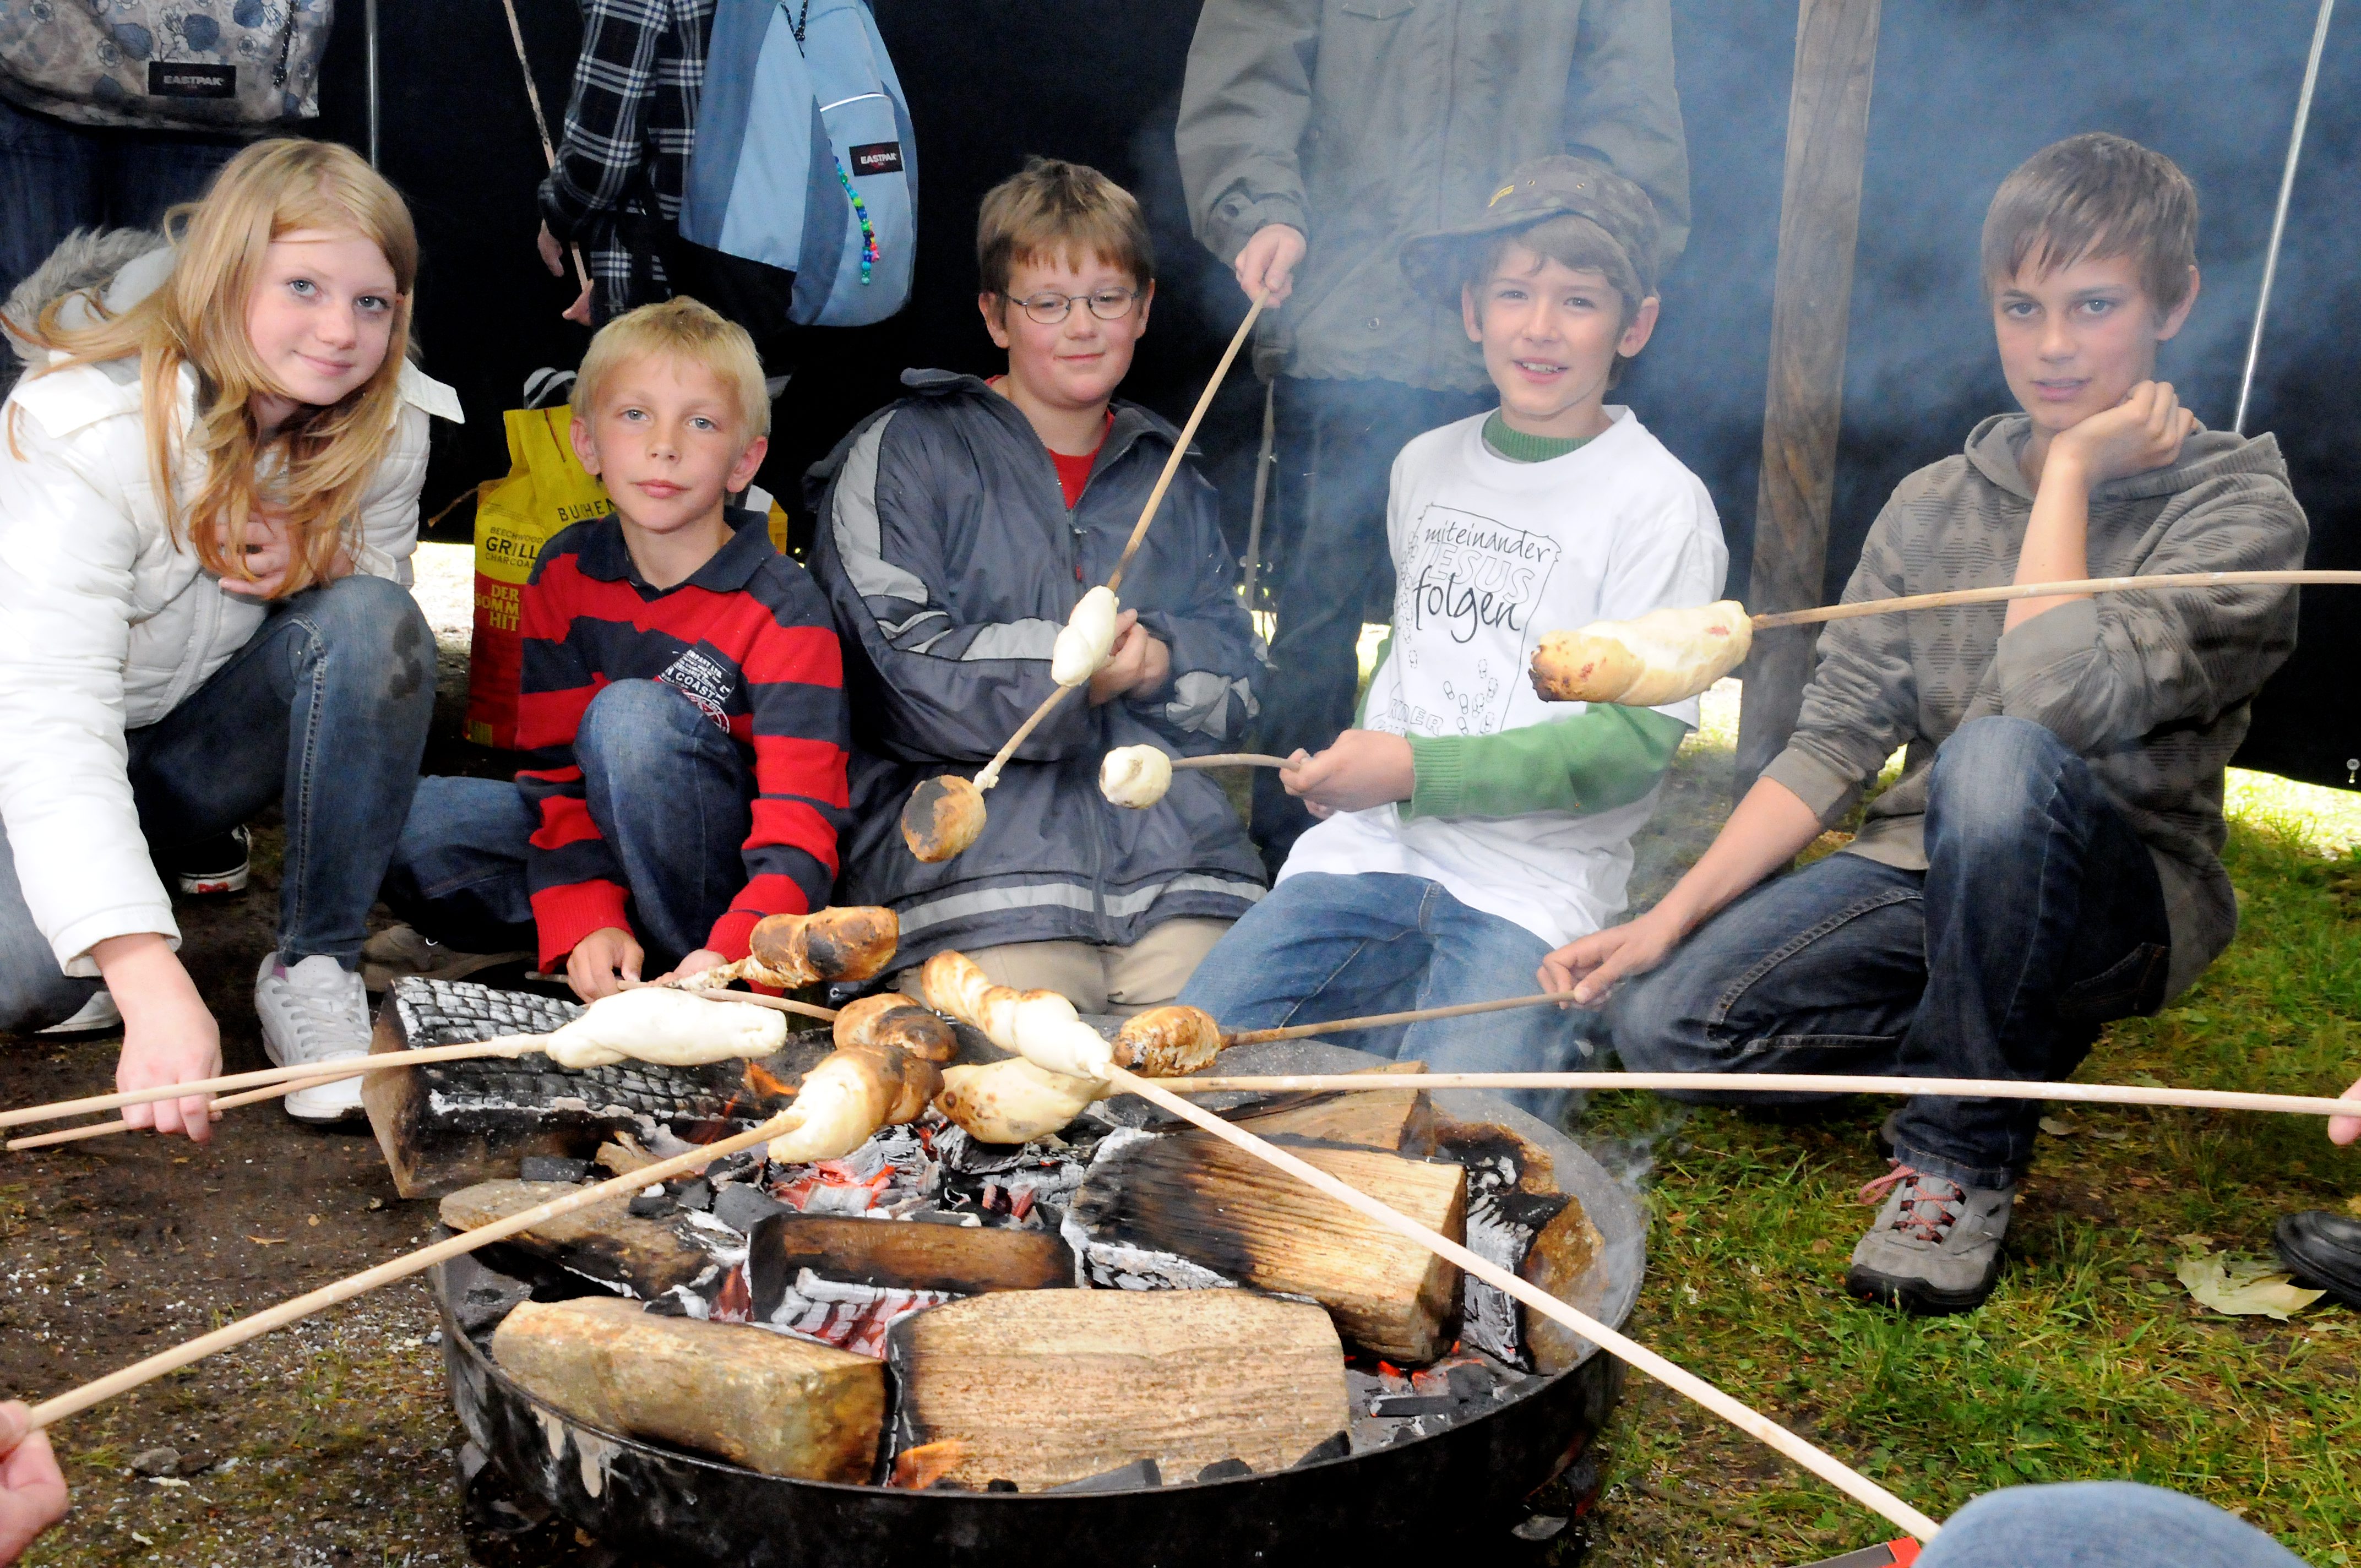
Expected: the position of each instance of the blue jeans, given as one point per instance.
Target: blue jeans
(669, 793)
(2099, 1524)
(2039, 917)
(1333, 449)
(325, 710)
(56, 177)
(1322, 947)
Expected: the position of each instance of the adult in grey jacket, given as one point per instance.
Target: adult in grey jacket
(951, 559)
(1315, 137)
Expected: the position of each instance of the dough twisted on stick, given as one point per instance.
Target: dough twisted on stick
(847, 1097)
(851, 942)
(1663, 656)
(1167, 1041)
(891, 1019)
(670, 1028)
(1086, 638)
(1014, 1102)
(1039, 1025)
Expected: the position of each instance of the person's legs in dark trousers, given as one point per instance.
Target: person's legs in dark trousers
(1318, 948)
(458, 871)
(325, 710)
(673, 798)
(50, 186)
(2045, 919)
(1334, 446)
(2039, 917)
(34, 991)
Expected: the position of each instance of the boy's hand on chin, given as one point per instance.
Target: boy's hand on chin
(2142, 432)
(1364, 768)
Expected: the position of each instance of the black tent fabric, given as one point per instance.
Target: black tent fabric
(1964, 92)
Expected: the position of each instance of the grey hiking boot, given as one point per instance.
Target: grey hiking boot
(1935, 1246)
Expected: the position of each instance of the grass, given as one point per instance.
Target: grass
(2091, 1361)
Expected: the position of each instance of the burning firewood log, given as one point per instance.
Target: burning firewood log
(965, 1260)
(1187, 1194)
(1044, 1387)
(767, 1401)
(606, 1242)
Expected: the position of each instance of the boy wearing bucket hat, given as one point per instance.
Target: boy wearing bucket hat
(1467, 828)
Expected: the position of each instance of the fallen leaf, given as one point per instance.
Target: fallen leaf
(2195, 1241)
(2110, 1134)
(2061, 1126)
(2353, 1207)
(2243, 1288)
(312, 1221)
(267, 1241)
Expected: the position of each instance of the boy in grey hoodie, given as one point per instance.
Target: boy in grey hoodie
(2048, 859)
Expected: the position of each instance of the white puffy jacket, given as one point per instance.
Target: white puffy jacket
(107, 624)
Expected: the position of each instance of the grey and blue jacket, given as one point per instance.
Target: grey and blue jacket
(951, 561)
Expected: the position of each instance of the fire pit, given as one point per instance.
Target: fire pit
(1445, 1451)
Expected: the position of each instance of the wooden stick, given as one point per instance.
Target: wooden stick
(52, 1411)
(2048, 590)
(990, 773)
(750, 998)
(1784, 1083)
(1188, 435)
(1380, 1020)
(108, 1129)
(1231, 759)
(506, 1045)
(1753, 1423)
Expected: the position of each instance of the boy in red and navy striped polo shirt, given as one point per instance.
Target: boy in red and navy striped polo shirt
(683, 699)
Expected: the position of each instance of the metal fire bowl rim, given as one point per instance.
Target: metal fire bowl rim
(1612, 1209)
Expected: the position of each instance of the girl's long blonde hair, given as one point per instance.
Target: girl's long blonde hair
(312, 472)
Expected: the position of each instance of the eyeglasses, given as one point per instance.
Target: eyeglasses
(1107, 305)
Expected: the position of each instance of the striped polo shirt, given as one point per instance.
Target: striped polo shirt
(747, 638)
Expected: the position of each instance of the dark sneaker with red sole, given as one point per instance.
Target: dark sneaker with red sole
(216, 866)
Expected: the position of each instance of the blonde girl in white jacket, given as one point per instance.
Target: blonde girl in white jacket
(209, 480)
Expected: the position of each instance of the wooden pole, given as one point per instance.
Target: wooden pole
(108, 1129)
(1819, 216)
(278, 1317)
(1778, 1084)
(1997, 594)
(1231, 759)
(1381, 1020)
(1631, 1353)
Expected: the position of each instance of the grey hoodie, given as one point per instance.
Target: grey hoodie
(2154, 689)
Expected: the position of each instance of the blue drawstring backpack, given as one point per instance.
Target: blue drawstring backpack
(801, 208)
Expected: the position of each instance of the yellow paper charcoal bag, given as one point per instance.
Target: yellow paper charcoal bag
(547, 491)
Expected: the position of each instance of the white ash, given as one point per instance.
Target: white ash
(849, 1317)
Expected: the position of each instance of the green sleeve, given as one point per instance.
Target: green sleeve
(1601, 758)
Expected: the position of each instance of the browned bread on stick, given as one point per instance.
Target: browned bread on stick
(1663, 656)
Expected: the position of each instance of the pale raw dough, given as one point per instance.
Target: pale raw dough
(669, 1028)
(1088, 637)
(1039, 1025)
(1014, 1102)
(842, 1102)
(1136, 776)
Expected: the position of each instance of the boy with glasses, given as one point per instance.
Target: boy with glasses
(958, 527)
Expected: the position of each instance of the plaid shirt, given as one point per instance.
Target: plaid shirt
(634, 107)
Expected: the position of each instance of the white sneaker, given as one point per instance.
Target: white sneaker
(97, 1013)
(315, 1012)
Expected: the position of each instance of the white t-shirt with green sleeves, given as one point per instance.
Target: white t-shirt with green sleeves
(1490, 557)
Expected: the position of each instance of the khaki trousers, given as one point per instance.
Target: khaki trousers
(1120, 981)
